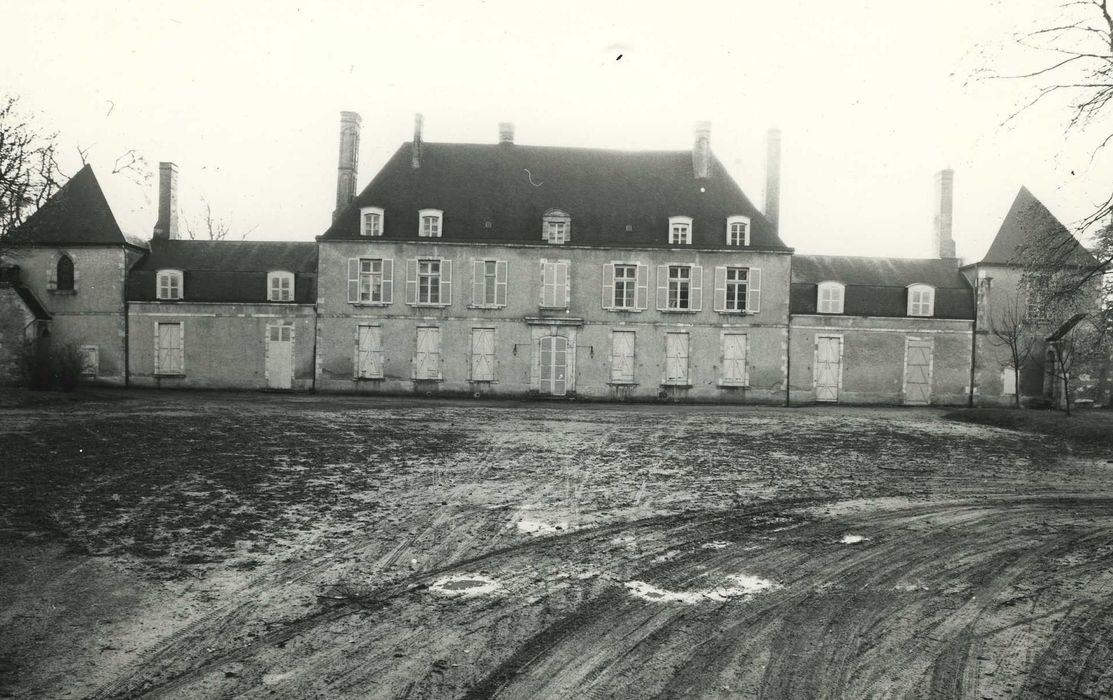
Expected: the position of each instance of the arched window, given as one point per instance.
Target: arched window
(63, 278)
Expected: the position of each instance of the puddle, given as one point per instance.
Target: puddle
(737, 586)
(852, 539)
(464, 585)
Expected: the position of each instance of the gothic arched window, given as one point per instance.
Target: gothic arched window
(64, 277)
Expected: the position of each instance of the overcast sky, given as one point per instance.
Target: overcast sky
(873, 97)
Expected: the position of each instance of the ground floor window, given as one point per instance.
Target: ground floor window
(735, 369)
(427, 356)
(483, 354)
(169, 348)
(369, 352)
(1008, 382)
(676, 358)
(90, 360)
(622, 357)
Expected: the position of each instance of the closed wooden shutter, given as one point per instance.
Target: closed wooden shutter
(411, 281)
(446, 282)
(427, 358)
(483, 354)
(564, 283)
(622, 356)
(500, 282)
(753, 291)
(676, 358)
(608, 286)
(369, 363)
(641, 295)
(353, 280)
(477, 282)
(720, 289)
(662, 287)
(734, 359)
(695, 298)
(388, 281)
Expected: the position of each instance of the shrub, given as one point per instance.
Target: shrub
(45, 364)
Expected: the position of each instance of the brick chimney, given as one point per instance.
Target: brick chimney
(506, 133)
(419, 122)
(348, 162)
(701, 151)
(773, 178)
(166, 227)
(944, 218)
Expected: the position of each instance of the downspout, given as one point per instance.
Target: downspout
(316, 330)
(127, 324)
(973, 360)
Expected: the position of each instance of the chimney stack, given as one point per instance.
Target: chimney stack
(348, 164)
(166, 228)
(944, 207)
(419, 122)
(506, 133)
(773, 178)
(701, 151)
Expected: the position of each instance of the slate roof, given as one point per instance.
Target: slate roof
(1028, 219)
(226, 271)
(604, 191)
(77, 214)
(878, 286)
(32, 302)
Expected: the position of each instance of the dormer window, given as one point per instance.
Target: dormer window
(680, 230)
(921, 300)
(830, 297)
(738, 231)
(170, 285)
(371, 221)
(556, 227)
(280, 286)
(431, 220)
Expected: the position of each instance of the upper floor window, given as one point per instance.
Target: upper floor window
(170, 284)
(556, 289)
(488, 283)
(829, 297)
(738, 230)
(921, 300)
(557, 227)
(371, 221)
(431, 223)
(64, 275)
(370, 281)
(280, 286)
(679, 287)
(680, 230)
(429, 282)
(737, 289)
(625, 286)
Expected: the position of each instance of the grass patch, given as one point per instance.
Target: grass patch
(1089, 428)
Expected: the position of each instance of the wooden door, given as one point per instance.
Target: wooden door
(553, 368)
(828, 367)
(917, 371)
(280, 357)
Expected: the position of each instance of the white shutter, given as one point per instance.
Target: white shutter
(565, 281)
(546, 283)
(477, 282)
(753, 290)
(388, 281)
(720, 289)
(641, 294)
(608, 286)
(353, 280)
(695, 293)
(357, 352)
(662, 287)
(411, 281)
(676, 358)
(500, 282)
(158, 347)
(734, 358)
(483, 354)
(446, 282)
(622, 356)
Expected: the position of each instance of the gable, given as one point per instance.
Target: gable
(1029, 221)
(77, 214)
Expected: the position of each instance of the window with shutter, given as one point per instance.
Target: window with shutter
(169, 350)
(486, 280)
(736, 287)
(555, 287)
(429, 282)
(427, 358)
(676, 358)
(682, 290)
(734, 359)
(622, 357)
(369, 352)
(483, 354)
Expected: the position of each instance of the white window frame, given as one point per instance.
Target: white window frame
(733, 379)
(434, 357)
(664, 288)
(364, 213)
(413, 282)
(610, 287)
(175, 282)
(834, 303)
(680, 230)
(280, 286)
(683, 378)
(917, 305)
(732, 221)
(474, 358)
(368, 360)
(556, 227)
(556, 284)
(160, 369)
(618, 361)
(479, 283)
(436, 217)
(357, 274)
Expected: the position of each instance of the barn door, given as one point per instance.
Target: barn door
(280, 356)
(553, 368)
(828, 367)
(917, 371)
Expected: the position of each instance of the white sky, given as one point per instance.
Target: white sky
(873, 97)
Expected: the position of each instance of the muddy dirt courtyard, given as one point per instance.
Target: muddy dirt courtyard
(217, 545)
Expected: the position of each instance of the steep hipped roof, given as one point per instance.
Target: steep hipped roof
(1029, 220)
(227, 271)
(512, 186)
(878, 286)
(77, 214)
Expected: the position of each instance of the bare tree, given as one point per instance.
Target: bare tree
(1012, 329)
(29, 172)
(212, 227)
(1075, 343)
